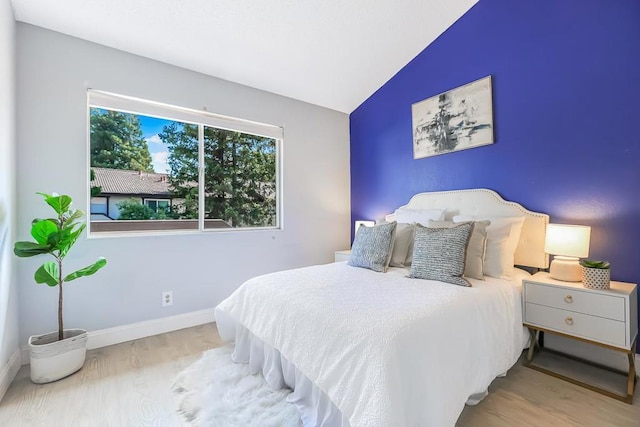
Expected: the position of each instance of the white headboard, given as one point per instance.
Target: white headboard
(482, 202)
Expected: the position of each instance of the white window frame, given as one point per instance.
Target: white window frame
(138, 106)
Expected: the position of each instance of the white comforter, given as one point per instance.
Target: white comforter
(387, 350)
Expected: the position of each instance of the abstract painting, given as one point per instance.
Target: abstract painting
(455, 120)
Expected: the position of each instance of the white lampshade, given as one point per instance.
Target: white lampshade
(567, 243)
(568, 240)
(365, 223)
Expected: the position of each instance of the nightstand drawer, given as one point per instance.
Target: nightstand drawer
(590, 327)
(607, 306)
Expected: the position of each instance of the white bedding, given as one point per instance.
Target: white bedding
(385, 349)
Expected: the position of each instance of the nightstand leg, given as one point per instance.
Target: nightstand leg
(533, 342)
(632, 373)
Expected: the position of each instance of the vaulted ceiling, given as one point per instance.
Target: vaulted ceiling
(332, 53)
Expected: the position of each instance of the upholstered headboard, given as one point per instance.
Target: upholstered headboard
(482, 202)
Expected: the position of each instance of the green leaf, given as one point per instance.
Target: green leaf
(87, 271)
(59, 241)
(29, 249)
(117, 141)
(595, 264)
(96, 191)
(77, 214)
(54, 238)
(69, 240)
(53, 220)
(42, 229)
(48, 273)
(45, 195)
(60, 204)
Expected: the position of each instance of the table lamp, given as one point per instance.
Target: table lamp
(568, 243)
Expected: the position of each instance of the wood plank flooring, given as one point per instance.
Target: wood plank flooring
(526, 397)
(122, 385)
(128, 385)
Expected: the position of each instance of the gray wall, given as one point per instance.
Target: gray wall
(54, 72)
(8, 286)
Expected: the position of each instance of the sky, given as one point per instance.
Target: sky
(151, 127)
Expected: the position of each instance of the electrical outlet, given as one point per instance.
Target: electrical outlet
(167, 298)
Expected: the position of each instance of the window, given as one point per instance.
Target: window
(157, 205)
(156, 167)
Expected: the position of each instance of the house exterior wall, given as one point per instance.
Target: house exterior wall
(109, 204)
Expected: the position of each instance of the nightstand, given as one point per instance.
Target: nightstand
(342, 255)
(606, 318)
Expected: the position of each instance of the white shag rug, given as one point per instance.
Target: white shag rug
(215, 391)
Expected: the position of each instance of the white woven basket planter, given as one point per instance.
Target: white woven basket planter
(596, 278)
(52, 360)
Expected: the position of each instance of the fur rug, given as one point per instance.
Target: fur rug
(214, 391)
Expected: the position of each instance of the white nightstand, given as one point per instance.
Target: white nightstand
(607, 318)
(342, 255)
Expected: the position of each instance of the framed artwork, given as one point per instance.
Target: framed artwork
(455, 120)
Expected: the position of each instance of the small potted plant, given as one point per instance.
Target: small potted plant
(57, 354)
(596, 274)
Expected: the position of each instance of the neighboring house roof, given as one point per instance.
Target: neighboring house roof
(119, 181)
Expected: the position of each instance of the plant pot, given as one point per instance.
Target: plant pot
(52, 360)
(596, 278)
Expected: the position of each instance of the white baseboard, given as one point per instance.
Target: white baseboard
(134, 331)
(9, 372)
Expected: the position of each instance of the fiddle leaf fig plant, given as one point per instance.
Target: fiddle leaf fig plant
(55, 237)
(604, 265)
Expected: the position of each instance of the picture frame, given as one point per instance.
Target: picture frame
(458, 119)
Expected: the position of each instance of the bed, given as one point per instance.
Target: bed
(363, 348)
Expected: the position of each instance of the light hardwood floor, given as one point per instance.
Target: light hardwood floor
(122, 385)
(128, 385)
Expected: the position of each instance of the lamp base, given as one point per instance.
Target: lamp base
(566, 269)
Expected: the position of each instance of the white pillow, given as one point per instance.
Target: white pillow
(402, 244)
(420, 216)
(476, 247)
(503, 236)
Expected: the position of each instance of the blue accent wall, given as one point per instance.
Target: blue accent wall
(566, 100)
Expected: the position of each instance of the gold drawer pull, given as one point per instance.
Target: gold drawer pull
(569, 321)
(568, 299)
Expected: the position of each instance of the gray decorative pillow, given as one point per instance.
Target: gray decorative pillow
(475, 249)
(440, 253)
(372, 247)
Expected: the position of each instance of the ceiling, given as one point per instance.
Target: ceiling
(332, 53)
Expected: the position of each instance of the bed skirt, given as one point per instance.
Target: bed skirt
(313, 405)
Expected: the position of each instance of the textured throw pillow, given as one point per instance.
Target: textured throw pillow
(475, 249)
(439, 253)
(372, 247)
(503, 236)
